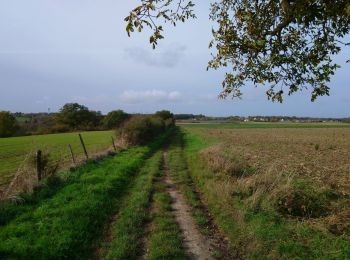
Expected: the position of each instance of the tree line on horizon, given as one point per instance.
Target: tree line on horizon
(75, 117)
(71, 117)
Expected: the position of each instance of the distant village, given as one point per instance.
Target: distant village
(282, 119)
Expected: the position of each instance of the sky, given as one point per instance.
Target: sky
(57, 51)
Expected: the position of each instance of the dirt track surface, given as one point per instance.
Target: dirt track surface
(196, 245)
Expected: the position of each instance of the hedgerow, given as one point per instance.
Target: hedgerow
(142, 129)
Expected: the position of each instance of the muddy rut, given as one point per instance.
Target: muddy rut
(196, 245)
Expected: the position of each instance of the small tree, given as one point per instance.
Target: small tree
(115, 119)
(8, 124)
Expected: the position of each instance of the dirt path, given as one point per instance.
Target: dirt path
(196, 245)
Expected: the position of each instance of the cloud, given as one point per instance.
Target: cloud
(96, 100)
(149, 96)
(168, 58)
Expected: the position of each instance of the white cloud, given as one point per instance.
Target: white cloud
(149, 96)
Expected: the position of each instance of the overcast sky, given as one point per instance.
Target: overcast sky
(58, 51)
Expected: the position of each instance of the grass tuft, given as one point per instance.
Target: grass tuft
(165, 240)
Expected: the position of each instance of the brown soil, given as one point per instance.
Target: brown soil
(282, 157)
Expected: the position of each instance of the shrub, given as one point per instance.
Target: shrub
(317, 147)
(115, 119)
(59, 128)
(142, 129)
(164, 114)
(8, 125)
(167, 117)
(169, 122)
(302, 201)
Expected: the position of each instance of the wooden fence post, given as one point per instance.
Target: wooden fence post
(38, 164)
(71, 153)
(115, 149)
(83, 144)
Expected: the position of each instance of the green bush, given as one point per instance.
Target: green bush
(8, 125)
(115, 119)
(303, 201)
(142, 129)
(164, 114)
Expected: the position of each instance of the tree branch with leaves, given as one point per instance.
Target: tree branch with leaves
(153, 13)
(284, 45)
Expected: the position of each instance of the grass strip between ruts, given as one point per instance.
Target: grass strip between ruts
(165, 240)
(129, 228)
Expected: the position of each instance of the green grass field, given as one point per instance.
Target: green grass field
(14, 150)
(23, 119)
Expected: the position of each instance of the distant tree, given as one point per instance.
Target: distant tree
(183, 116)
(115, 119)
(283, 45)
(96, 119)
(77, 116)
(8, 124)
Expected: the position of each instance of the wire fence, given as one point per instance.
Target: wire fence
(19, 156)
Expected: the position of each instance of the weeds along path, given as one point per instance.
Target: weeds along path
(49, 188)
(196, 245)
(66, 224)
